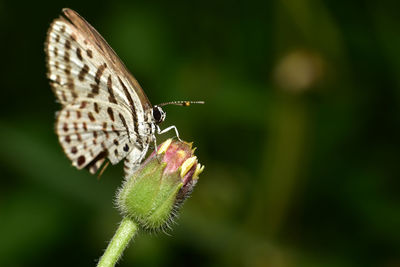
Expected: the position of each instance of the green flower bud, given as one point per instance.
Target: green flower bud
(154, 193)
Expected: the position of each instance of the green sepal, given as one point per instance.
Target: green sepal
(149, 195)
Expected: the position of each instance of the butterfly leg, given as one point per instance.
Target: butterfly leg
(155, 145)
(159, 131)
(156, 149)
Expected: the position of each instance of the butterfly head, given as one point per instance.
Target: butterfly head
(158, 114)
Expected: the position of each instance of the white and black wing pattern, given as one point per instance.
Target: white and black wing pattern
(105, 112)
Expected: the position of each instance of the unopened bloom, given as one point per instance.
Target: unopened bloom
(153, 194)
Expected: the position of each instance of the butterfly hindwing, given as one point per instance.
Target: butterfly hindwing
(88, 128)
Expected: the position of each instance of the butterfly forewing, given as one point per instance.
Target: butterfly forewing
(105, 112)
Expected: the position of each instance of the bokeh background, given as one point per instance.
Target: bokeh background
(299, 134)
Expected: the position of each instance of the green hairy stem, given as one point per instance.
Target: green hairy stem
(125, 232)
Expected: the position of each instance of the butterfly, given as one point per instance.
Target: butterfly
(105, 113)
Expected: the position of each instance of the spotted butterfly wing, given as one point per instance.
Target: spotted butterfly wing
(105, 112)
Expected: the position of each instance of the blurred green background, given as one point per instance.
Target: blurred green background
(299, 134)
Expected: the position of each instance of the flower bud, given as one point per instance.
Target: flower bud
(154, 193)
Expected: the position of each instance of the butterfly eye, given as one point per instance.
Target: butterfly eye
(158, 114)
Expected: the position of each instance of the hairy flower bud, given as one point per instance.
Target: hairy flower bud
(153, 194)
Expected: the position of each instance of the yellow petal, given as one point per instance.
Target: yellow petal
(164, 146)
(187, 165)
(199, 169)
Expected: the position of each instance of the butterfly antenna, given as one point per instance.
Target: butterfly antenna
(181, 103)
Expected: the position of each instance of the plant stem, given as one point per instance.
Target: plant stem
(125, 232)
